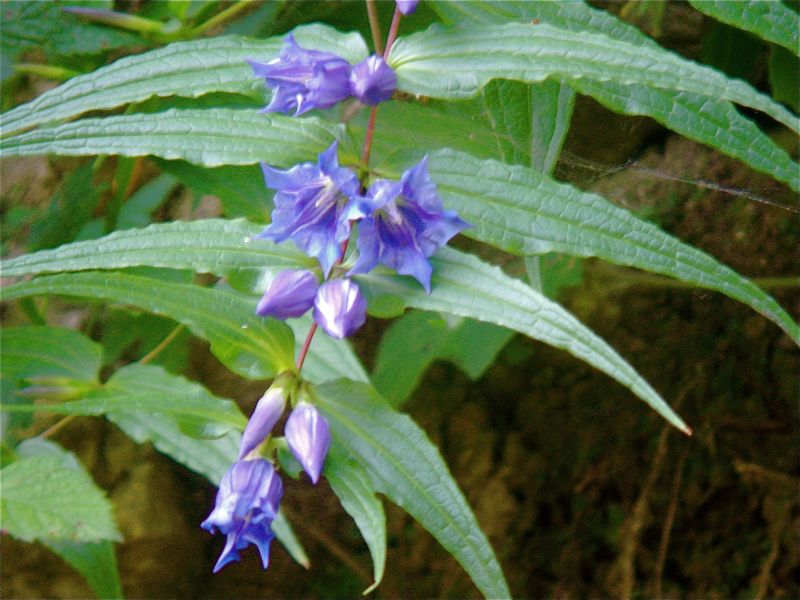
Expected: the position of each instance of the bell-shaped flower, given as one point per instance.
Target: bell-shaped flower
(339, 308)
(290, 294)
(313, 206)
(372, 81)
(407, 7)
(304, 80)
(247, 502)
(406, 226)
(309, 438)
(268, 410)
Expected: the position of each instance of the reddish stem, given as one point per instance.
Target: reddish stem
(302, 358)
(367, 149)
(392, 32)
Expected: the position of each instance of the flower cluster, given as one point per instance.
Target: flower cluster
(305, 80)
(400, 223)
(250, 492)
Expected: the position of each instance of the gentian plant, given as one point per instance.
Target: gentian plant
(371, 163)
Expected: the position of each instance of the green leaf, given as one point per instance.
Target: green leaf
(44, 26)
(248, 345)
(51, 352)
(187, 69)
(218, 246)
(44, 500)
(283, 531)
(710, 121)
(465, 286)
(406, 467)
(352, 485)
(551, 114)
(150, 389)
(137, 210)
(771, 21)
(521, 211)
(784, 76)
(209, 137)
(457, 63)
(95, 561)
(415, 340)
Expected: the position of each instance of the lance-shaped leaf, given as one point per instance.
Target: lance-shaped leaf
(216, 246)
(465, 286)
(188, 69)
(457, 63)
(772, 21)
(352, 485)
(406, 467)
(247, 344)
(523, 212)
(210, 137)
(708, 120)
(51, 352)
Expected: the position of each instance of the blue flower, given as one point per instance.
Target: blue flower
(373, 81)
(247, 502)
(407, 7)
(304, 80)
(313, 206)
(290, 294)
(309, 438)
(339, 308)
(268, 410)
(406, 226)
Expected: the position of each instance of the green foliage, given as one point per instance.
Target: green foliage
(406, 467)
(488, 95)
(45, 500)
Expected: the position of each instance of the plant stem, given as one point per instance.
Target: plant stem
(392, 32)
(374, 26)
(220, 18)
(164, 343)
(367, 148)
(57, 427)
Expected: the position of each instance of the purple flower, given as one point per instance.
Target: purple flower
(339, 308)
(247, 502)
(313, 206)
(290, 294)
(309, 438)
(406, 226)
(407, 7)
(268, 410)
(304, 79)
(372, 81)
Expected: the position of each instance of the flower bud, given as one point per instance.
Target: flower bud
(372, 81)
(309, 438)
(339, 308)
(407, 7)
(268, 410)
(247, 502)
(290, 294)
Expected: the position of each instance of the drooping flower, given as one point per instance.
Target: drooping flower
(407, 7)
(247, 502)
(290, 294)
(313, 206)
(339, 308)
(267, 412)
(303, 79)
(309, 438)
(373, 81)
(406, 226)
